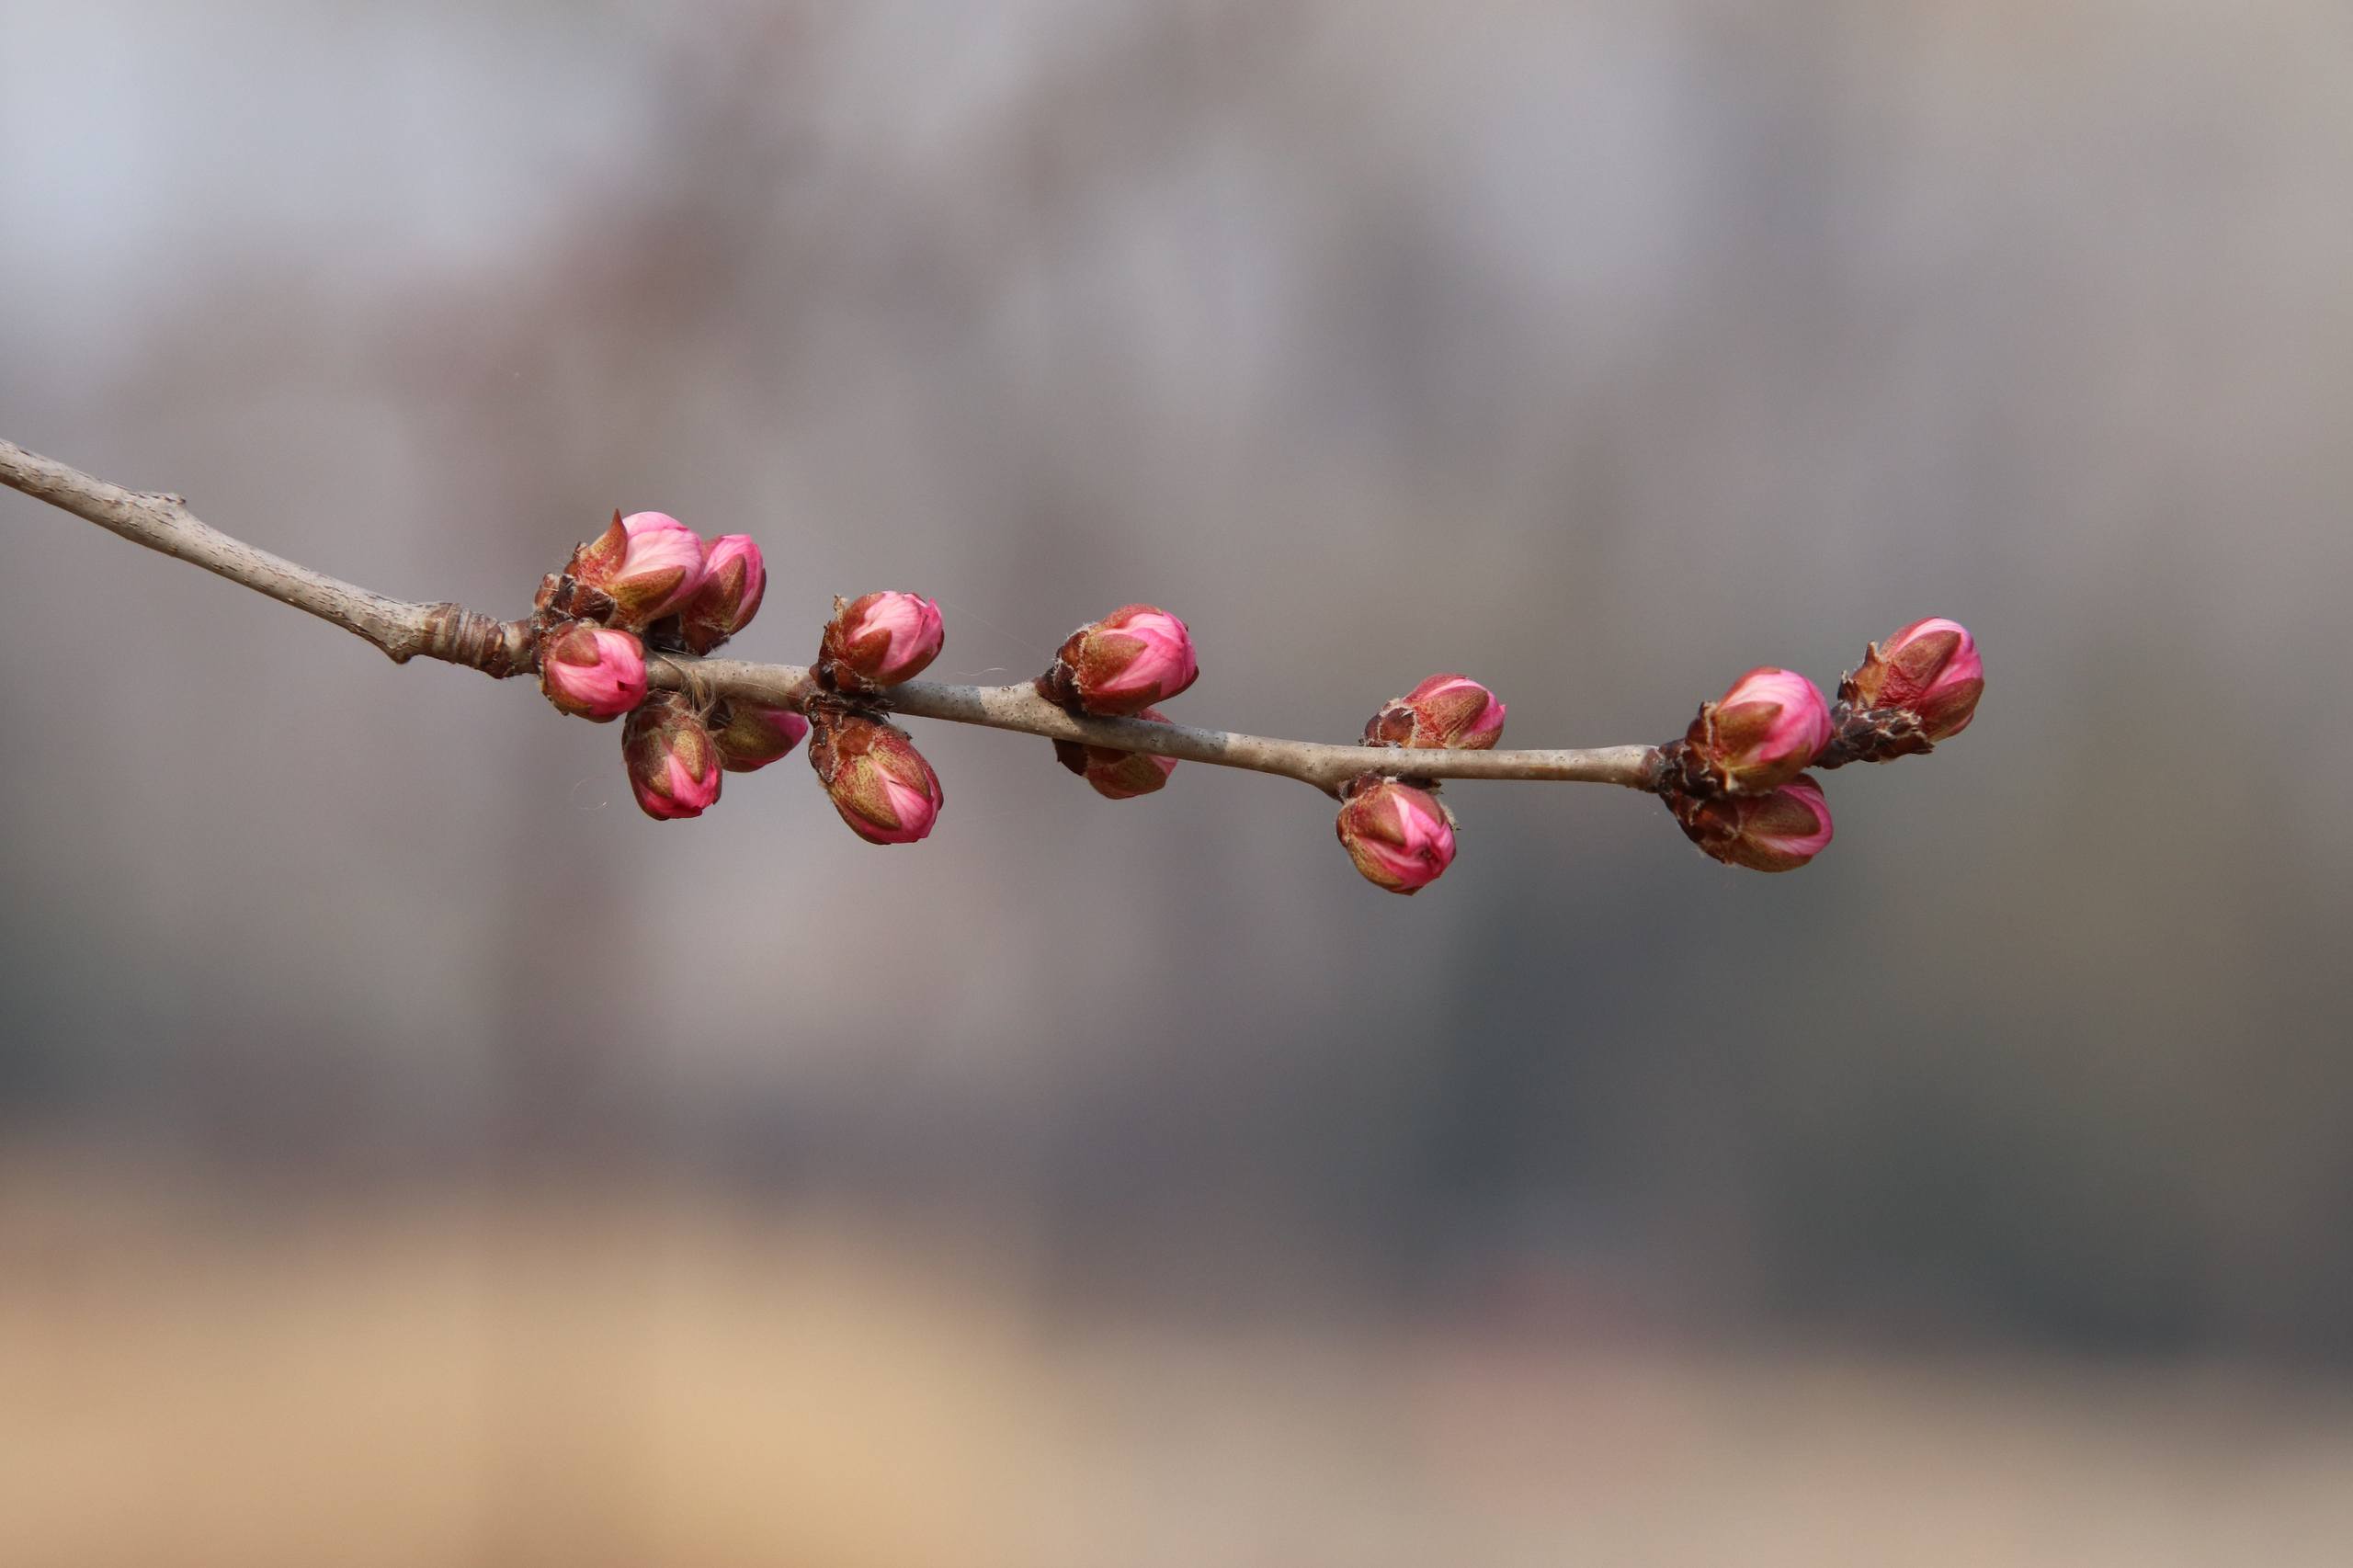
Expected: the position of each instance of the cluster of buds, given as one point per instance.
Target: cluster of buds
(649, 581)
(1396, 829)
(1117, 668)
(1736, 782)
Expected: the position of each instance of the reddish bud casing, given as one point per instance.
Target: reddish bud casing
(1398, 837)
(734, 579)
(750, 735)
(647, 564)
(1121, 664)
(1443, 711)
(1775, 832)
(1763, 732)
(879, 639)
(1118, 775)
(592, 671)
(877, 781)
(673, 764)
(1930, 668)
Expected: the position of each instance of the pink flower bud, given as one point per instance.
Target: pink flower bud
(1444, 711)
(1775, 832)
(879, 639)
(1133, 657)
(673, 766)
(733, 580)
(1399, 837)
(750, 735)
(647, 563)
(879, 782)
(1118, 775)
(1930, 668)
(1764, 732)
(592, 671)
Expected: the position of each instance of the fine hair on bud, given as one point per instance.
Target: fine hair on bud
(880, 784)
(1121, 664)
(673, 767)
(750, 735)
(1401, 836)
(877, 640)
(1444, 712)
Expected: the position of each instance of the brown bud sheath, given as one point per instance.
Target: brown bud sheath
(1118, 775)
(750, 735)
(1775, 832)
(877, 781)
(673, 766)
(1443, 711)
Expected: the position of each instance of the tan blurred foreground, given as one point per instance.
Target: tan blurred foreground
(677, 1381)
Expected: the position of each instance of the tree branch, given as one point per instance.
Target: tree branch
(402, 629)
(457, 635)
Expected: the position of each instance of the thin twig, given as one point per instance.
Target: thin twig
(457, 635)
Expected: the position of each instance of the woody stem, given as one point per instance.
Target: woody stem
(454, 634)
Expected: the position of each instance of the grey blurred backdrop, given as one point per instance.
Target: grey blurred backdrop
(1600, 350)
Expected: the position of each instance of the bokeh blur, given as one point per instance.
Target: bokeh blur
(410, 1154)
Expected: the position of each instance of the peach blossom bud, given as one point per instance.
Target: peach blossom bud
(750, 735)
(879, 639)
(1930, 668)
(1118, 775)
(592, 671)
(1133, 657)
(734, 579)
(673, 766)
(1764, 732)
(1775, 832)
(1399, 837)
(1444, 711)
(647, 563)
(879, 782)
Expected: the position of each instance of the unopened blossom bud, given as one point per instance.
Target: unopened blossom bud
(751, 735)
(1121, 664)
(1444, 711)
(1118, 775)
(879, 639)
(877, 781)
(733, 580)
(1930, 668)
(1400, 836)
(1775, 832)
(647, 563)
(592, 671)
(1763, 732)
(673, 764)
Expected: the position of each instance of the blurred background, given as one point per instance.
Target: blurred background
(410, 1154)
